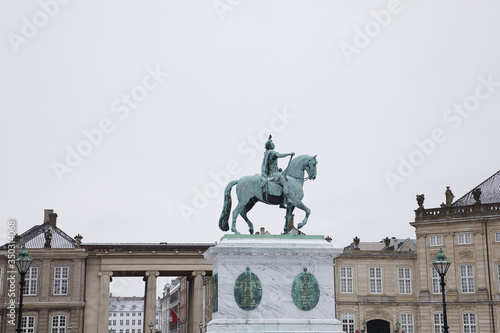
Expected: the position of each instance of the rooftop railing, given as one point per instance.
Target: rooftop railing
(451, 212)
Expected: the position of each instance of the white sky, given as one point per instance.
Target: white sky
(229, 74)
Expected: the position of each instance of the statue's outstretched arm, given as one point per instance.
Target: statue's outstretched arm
(284, 155)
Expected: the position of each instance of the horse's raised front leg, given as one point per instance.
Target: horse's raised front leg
(301, 205)
(288, 216)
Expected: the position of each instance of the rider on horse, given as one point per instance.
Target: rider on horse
(270, 168)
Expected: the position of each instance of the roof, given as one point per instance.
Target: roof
(490, 192)
(34, 238)
(195, 247)
(126, 303)
(396, 244)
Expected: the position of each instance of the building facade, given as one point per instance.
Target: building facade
(67, 285)
(54, 296)
(392, 286)
(126, 314)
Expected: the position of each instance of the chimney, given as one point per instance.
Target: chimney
(52, 219)
(46, 216)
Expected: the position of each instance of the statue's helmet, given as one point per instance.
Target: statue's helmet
(269, 143)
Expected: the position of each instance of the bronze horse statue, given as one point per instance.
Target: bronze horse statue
(249, 191)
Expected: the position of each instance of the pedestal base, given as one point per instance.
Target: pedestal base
(293, 283)
(274, 325)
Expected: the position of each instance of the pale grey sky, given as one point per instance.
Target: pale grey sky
(128, 118)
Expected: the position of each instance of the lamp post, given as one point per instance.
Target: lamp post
(23, 263)
(441, 264)
(151, 327)
(398, 325)
(69, 328)
(364, 327)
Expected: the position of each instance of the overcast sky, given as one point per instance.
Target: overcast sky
(128, 118)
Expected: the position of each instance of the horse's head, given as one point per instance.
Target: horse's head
(310, 167)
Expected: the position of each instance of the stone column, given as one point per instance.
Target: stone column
(195, 301)
(102, 321)
(150, 301)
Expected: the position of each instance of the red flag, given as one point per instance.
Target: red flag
(174, 316)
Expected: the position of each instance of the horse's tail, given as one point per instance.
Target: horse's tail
(226, 209)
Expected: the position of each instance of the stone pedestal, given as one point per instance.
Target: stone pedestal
(282, 284)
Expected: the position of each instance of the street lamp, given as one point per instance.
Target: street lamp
(398, 325)
(23, 263)
(441, 264)
(364, 327)
(201, 326)
(151, 327)
(70, 328)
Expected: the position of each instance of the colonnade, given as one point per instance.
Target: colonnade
(195, 300)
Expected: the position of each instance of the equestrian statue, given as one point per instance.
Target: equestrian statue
(273, 187)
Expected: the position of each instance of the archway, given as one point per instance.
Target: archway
(378, 326)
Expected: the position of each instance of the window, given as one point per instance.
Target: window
(133, 313)
(436, 240)
(436, 280)
(127, 322)
(467, 279)
(127, 314)
(438, 323)
(133, 322)
(61, 280)
(464, 239)
(114, 314)
(127, 331)
(469, 321)
(133, 330)
(497, 237)
(121, 331)
(114, 322)
(31, 279)
(404, 281)
(28, 324)
(348, 322)
(139, 330)
(139, 322)
(346, 279)
(121, 322)
(110, 323)
(375, 280)
(121, 314)
(498, 269)
(58, 324)
(407, 323)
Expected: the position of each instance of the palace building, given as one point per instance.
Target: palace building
(392, 286)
